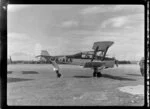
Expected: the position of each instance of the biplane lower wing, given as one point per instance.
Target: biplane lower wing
(93, 64)
(107, 64)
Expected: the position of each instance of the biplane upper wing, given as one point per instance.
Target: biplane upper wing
(99, 46)
(103, 45)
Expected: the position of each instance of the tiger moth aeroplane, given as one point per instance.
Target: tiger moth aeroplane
(96, 59)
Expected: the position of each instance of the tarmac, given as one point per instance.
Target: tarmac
(37, 85)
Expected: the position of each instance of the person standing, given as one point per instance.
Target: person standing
(141, 63)
(55, 67)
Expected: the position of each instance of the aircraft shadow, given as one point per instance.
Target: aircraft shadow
(9, 72)
(134, 74)
(117, 77)
(29, 72)
(9, 80)
(108, 76)
(82, 76)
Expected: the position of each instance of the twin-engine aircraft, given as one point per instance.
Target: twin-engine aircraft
(96, 59)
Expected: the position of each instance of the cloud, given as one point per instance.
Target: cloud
(20, 42)
(57, 45)
(14, 8)
(133, 8)
(118, 22)
(128, 21)
(18, 36)
(21, 56)
(70, 23)
(95, 9)
(22, 47)
(37, 49)
(112, 8)
(115, 22)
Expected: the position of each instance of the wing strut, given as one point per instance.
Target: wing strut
(105, 53)
(96, 50)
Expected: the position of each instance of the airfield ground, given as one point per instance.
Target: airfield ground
(37, 85)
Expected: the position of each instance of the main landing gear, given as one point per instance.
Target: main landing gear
(96, 73)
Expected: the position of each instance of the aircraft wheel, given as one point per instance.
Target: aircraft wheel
(99, 74)
(59, 75)
(94, 74)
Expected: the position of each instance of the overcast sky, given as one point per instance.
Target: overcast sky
(68, 29)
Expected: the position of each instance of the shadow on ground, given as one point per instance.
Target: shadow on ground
(109, 77)
(9, 80)
(29, 72)
(9, 72)
(134, 74)
(82, 76)
(117, 77)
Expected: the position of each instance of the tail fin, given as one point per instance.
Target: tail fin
(44, 54)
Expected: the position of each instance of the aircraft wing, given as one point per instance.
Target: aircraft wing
(103, 45)
(77, 55)
(93, 64)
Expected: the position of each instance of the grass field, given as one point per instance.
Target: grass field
(37, 85)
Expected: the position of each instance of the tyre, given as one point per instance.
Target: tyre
(99, 74)
(94, 74)
(59, 75)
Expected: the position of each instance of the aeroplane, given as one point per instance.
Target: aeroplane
(95, 59)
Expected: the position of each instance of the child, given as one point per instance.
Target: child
(55, 68)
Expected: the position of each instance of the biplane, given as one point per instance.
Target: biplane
(97, 59)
